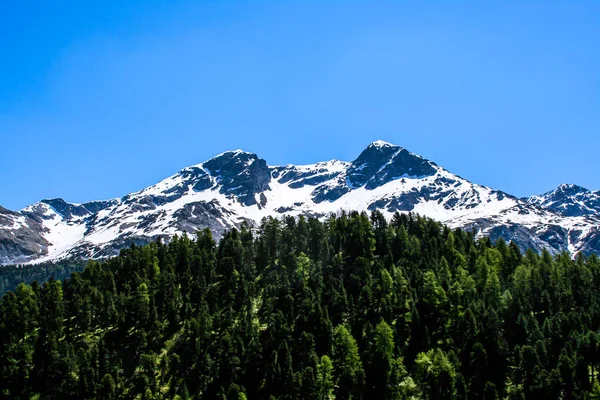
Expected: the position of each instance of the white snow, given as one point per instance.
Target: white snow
(62, 235)
(381, 143)
(18, 222)
(466, 203)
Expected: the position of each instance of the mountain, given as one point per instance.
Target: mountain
(236, 187)
(569, 200)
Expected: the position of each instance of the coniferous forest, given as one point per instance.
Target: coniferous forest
(12, 275)
(354, 307)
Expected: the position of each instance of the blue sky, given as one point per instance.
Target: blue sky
(98, 99)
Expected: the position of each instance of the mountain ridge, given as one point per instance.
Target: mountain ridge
(238, 186)
(569, 200)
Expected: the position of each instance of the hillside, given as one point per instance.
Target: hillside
(352, 307)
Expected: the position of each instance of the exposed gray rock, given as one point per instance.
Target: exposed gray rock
(20, 238)
(569, 200)
(240, 174)
(238, 187)
(380, 164)
(329, 193)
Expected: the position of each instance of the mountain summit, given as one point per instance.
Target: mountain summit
(569, 200)
(238, 187)
(240, 173)
(382, 162)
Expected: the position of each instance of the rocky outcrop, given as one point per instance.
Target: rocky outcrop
(238, 187)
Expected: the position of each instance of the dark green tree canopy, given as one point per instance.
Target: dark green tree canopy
(352, 307)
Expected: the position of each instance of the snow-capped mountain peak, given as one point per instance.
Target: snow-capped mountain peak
(572, 188)
(569, 200)
(380, 164)
(237, 186)
(380, 143)
(240, 173)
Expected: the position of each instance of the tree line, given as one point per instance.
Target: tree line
(12, 275)
(352, 307)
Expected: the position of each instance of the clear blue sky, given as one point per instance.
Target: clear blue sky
(98, 99)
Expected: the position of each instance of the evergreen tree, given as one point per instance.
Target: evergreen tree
(352, 307)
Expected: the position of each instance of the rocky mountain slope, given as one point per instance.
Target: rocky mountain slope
(570, 201)
(237, 186)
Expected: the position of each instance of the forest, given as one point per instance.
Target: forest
(350, 307)
(12, 275)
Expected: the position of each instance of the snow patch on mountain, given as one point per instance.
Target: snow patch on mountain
(569, 200)
(236, 187)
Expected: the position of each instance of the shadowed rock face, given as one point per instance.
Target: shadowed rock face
(526, 238)
(329, 193)
(296, 179)
(95, 206)
(240, 174)
(592, 242)
(195, 177)
(380, 164)
(20, 238)
(7, 214)
(67, 210)
(237, 187)
(570, 201)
